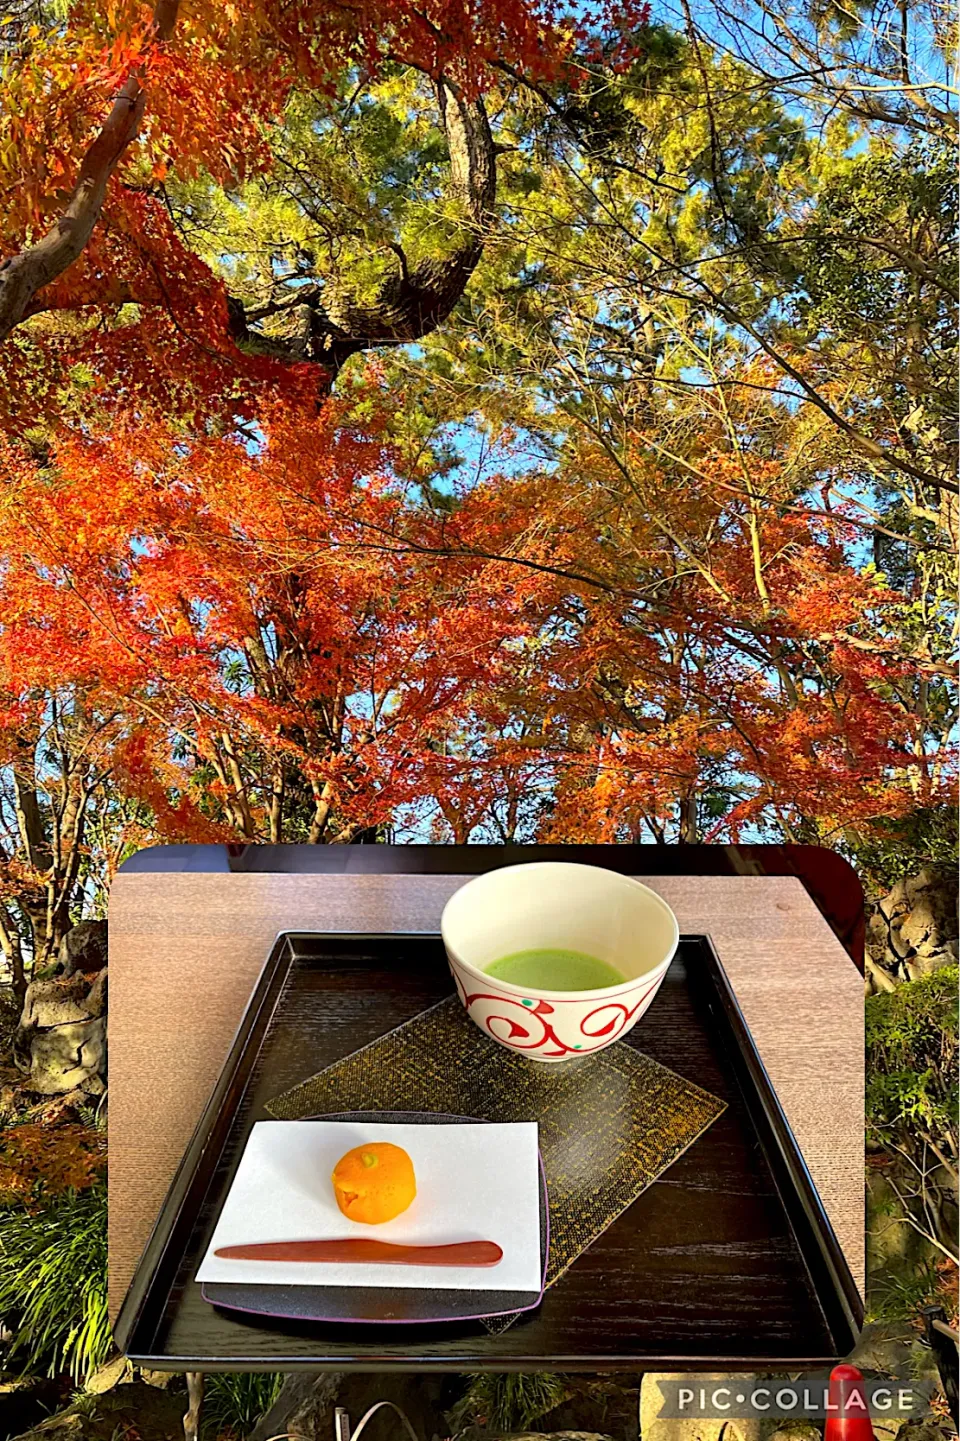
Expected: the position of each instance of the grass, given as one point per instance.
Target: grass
(53, 1283)
(234, 1402)
(901, 1294)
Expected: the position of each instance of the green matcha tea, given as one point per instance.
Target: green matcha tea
(554, 970)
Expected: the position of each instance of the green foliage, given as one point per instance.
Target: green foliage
(53, 1283)
(351, 185)
(508, 1403)
(84, 1403)
(867, 206)
(911, 1037)
(902, 846)
(599, 110)
(234, 1402)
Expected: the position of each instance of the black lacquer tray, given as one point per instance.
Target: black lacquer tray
(727, 1262)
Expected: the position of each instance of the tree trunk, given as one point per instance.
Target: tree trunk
(413, 300)
(302, 1408)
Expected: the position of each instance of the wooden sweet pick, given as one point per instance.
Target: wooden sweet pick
(359, 1249)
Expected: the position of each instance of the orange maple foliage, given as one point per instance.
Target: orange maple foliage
(204, 86)
(251, 608)
(38, 1161)
(275, 642)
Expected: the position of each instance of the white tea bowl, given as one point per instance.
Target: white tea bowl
(557, 905)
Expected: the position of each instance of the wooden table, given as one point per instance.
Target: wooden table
(186, 950)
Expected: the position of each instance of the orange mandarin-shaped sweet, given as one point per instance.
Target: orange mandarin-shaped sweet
(374, 1183)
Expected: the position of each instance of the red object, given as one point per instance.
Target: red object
(848, 1414)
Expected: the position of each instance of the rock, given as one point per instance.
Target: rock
(66, 1427)
(158, 1379)
(895, 897)
(885, 1428)
(304, 1406)
(65, 1058)
(63, 1108)
(919, 925)
(55, 1002)
(84, 948)
(25, 1401)
(111, 1374)
(694, 1428)
(894, 1351)
(131, 1410)
(914, 929)
(607, 1405)
(884, 1349)
(796, 1430)
(63, 1032)
(96, 1002)
(921, 1431)
(550, 1436)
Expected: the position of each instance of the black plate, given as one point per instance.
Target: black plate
(384, 1305)
(728, 1262)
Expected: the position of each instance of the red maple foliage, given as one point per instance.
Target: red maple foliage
(98, 113)
(274, 641)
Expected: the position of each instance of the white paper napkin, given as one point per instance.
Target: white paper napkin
(474, 1183)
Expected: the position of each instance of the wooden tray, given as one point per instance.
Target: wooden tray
(728, 1262)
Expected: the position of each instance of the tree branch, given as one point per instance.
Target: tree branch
(22, 275)
(414, 298)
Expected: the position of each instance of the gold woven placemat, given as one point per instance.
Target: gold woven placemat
(609, 1124)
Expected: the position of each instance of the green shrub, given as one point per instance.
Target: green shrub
(911, 1103)
(508, 1402)
(901, 846)
(911, 1036)
(53, 1283)
(234, 1402)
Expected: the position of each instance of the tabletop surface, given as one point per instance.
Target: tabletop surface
(186, 950)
